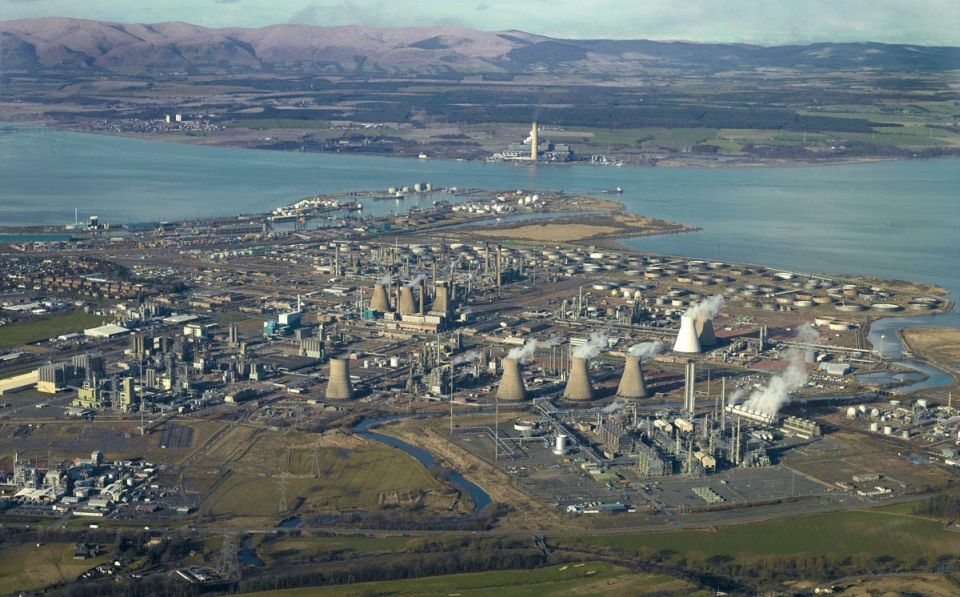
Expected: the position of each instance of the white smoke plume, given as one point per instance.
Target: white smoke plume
(807, 334)
(737, 396)
(416, 281)
(592, 347)
(770, 400)
(467, 357)
(708, 308)
(525, 353)
(386, 280)
(646, 350)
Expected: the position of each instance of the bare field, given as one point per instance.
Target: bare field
(937, 345)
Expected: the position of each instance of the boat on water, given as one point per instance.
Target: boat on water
(615, 191)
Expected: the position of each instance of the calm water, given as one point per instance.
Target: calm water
(891, 219)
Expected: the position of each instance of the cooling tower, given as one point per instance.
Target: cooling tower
(338, 385)
(632, 384)
(687, 338)
(511, 384)
(578, 384)
(705, 333)
(441, 302)
(406, 304)
(380, 301)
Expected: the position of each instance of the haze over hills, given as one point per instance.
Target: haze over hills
(76, 45)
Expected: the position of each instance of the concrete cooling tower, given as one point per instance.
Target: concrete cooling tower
(632, 384)
(687, 341)
(511, 383)
(578, 384)
(441, 302)
(338, 385)
(406, 304)
(705, 333)
(380, 301)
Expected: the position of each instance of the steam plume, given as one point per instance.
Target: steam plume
(416, 281)
(524, 354)
(707, 308)
(592, 347)
(645, 350)
(467, 357)
(770, 400)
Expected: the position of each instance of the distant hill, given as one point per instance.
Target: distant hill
(75, 45)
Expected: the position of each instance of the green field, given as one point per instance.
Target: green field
(49, 327)
(869, 532)
(348, 479)
(592, 578)
(28, 567)
(290, 550)
(278, 123)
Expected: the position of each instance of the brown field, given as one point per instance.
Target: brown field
(938, 345)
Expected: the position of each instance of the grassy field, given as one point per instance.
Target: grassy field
(592, 578)
(43, 329)
(348, 478)
(875, 533)
(28, 567)
(278, 123)
(290, 550)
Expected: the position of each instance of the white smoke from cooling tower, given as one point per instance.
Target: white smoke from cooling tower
(770, 400)
(524, 354)
(416, 281)
(706, 309)
(592, 347)
(646, 350)
(386, 280)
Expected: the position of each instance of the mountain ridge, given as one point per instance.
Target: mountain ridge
(80, 45)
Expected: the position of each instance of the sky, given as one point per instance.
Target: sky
(768, 22)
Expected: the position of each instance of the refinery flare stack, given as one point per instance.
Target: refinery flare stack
(511, 383)
(338, 384)
(578, 384)
(632, 383)
(687, 341)
(380, 300)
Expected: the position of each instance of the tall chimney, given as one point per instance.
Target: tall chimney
(632, 384)
(380, 301)
(338, 384)
(406, 304)
(511, 383)
(578, 384)
(533, 142)
(705, 333)
(689, 387)
(687, 341)
(423, 299)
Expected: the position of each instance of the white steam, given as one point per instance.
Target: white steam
(770, 400)
(467, 357)
(416, 281)
(525, 353)
(386, 280)
(708, 308)
(646, 350)
(592, 347)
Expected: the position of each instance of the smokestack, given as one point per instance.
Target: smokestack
(689, 394)
(705, 332)
(578, 384)
(406, 304)
(687, 341)
(338, 384)
(380, 301)
(423, 299)
(533, 142)
(632, 384)
(511, 383)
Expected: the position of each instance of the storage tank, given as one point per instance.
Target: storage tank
(560, 445)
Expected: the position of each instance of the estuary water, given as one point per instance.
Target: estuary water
(898, 219)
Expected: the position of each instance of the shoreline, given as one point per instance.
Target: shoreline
(677, 163)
